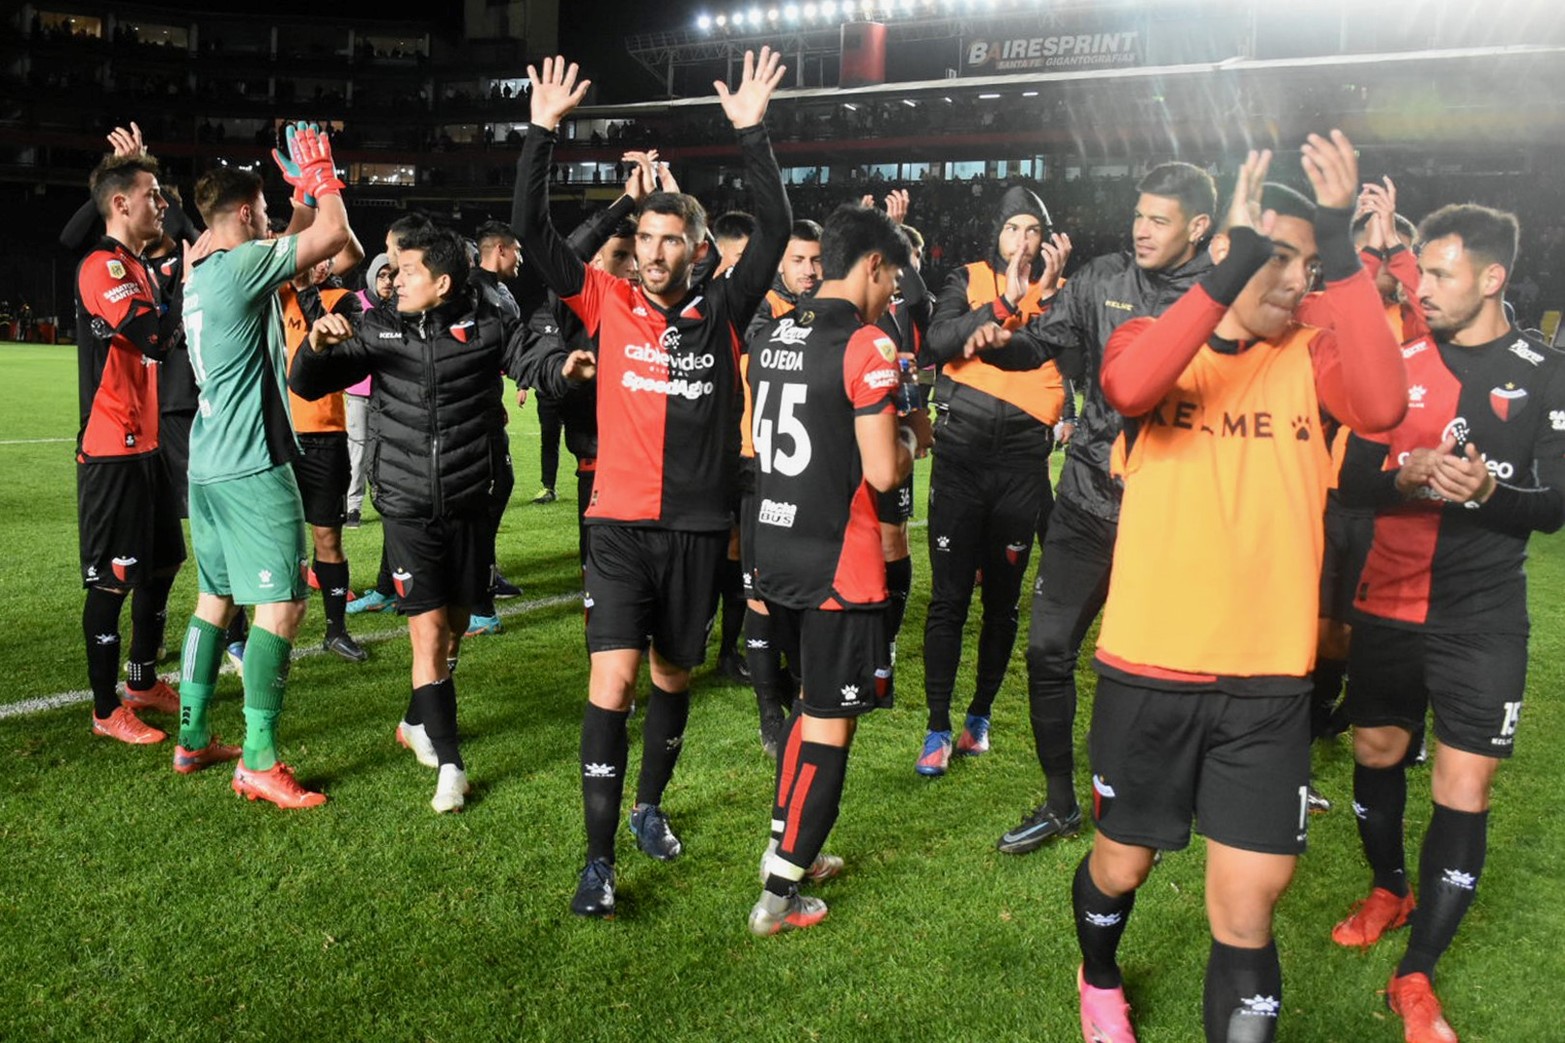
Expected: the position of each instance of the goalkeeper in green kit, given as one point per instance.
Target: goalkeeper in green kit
(246, 517)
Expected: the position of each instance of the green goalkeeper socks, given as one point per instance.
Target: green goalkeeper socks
(266, 679)
(203, 653)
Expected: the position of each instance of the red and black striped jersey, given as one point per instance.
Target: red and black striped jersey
(668, 404)
(668, 383)
(817, 536)
(1450, 566)
(119, 341)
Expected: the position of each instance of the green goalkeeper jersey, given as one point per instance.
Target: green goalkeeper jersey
(234, 334)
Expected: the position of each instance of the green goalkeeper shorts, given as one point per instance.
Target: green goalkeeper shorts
(248, 537)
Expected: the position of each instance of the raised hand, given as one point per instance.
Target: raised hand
(746, 105)
(666, 180)
(556, 92)
(127, 143)
(1017, 275)
(1244, 210)
(1385, 209)
(1333, 169)
(308, 167)
(190, 253)
(897, 205)
(1056, 252)
(642, 181)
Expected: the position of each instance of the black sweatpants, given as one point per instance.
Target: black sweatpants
(1072, 584)
(550, 425)
(980, 519)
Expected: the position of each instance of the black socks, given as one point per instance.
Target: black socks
(1448, 871)
(605, 748)
(662, 737)
(333, 577)
(1100, 922)
(1243, 994)
(101, 629)
(1379, 803)
(435, 705)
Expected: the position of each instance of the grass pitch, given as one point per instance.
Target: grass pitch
(136, 904)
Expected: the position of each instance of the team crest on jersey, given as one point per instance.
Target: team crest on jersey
(122, 567)
(461, 330)
(1507, 401)
(402, 579)
(116, 269)
(888, 350)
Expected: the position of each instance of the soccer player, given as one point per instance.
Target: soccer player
(176, 382)
(246, 516)
(1208, 637)
(798, 274)
(1384, 240)
(436, 366)
(668, 409)
(1173, 215)
(323, 469)
(1475, 468)
(731, 231)
(990, 478)
(826, 441)
(127, 512)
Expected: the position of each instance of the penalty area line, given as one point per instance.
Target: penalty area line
(42, 703)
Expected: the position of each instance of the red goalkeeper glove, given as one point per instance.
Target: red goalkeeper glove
(308, 166)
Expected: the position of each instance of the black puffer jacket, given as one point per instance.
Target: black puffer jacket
(1105, 294)
(435, 429)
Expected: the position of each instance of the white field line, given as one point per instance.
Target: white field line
(34, 441)
(49, 702)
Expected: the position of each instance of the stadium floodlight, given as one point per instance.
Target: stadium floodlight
(704, 23)
(809, 11)
(756, 16)
(721, 21)
(987, 97)
(772, 14)
(828, 9)
(791, 12)
(910, 103)
(1029, 94)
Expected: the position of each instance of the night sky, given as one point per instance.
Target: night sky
(582, 35)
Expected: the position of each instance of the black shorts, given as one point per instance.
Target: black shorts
(836, 655)
(127, 518)
(323, 472)
(896, 507)
(1239, 765)
(174, 441)
(1474, 682)
(1348, 535)
(438, 562)
(652, 585)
